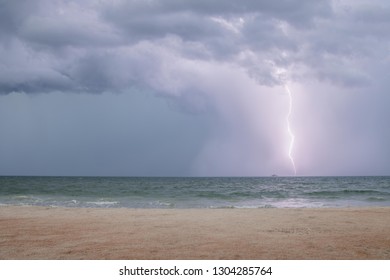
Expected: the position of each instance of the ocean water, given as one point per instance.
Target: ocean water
(187, 192)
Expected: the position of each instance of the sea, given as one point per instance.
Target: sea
(195, 192)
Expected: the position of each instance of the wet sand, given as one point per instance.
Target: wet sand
(81, 233)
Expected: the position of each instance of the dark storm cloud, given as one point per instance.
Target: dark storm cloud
(192, 19)
(66, 41)
(93, 46)
(13, 13)
(286, 9)
(79, 46)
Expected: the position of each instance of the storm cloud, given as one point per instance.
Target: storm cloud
(220, 65)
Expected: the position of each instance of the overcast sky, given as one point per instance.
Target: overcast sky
(194, 88)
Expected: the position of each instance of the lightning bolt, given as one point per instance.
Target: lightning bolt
(292, 136)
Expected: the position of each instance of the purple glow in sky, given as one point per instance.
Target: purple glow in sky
(194, 88)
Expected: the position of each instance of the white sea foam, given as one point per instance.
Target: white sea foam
(22, 197)
(102, 203)
(164, 204)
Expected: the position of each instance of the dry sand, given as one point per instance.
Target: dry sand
(74, 233)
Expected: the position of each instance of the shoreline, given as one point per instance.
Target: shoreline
(36, 232)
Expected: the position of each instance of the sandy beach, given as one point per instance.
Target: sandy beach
(82, 233)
